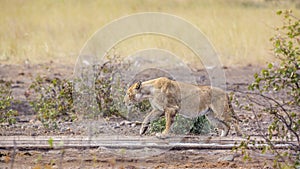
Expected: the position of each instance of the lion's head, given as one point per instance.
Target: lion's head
(133, 94)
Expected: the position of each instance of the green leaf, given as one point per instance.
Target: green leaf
(270, 65)
(279, 12)
(265, 72)
(50, 142)
(264, 150)
(255, 75)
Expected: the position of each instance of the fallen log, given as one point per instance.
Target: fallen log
(127, 142)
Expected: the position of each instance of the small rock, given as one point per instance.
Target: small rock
(27, 93)
(21, 74)
(31, 133)
(65, 129)
(27, 154)
(32, 120)
(4, 124)
(117, 126)
(19, 82)
(269, 167)
(37, 122)
(227, 158)
(125, 122)
(130, 167)
(15, 86)
(2, 159)
(138, 123)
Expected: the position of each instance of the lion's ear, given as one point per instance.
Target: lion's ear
(138, 85)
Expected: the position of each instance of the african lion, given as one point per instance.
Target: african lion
(166, 96)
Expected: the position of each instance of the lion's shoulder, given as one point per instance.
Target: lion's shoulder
(161, 81)
(165, 85)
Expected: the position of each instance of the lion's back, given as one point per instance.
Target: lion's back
(191, 98)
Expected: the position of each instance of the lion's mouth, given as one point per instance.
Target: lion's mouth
(127, 102)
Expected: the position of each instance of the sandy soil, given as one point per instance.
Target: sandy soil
(97, 158)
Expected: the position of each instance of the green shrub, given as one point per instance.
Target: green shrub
(52, 100)
(6, 113)
(109, 87)
(182, 125)
(278, 88)
(158, 126)
(201, 126)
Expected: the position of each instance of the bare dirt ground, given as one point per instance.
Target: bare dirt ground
(27, 125)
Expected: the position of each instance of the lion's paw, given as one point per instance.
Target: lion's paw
(162, 135)
(143, 129)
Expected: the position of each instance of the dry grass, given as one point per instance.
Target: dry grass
(41, 31)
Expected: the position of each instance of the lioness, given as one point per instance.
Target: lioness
(166, 98)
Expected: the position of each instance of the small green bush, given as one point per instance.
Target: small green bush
(7, 114)
(158, 126)
(109, 87)
(182, 125)
(201, 126)
(52, 100)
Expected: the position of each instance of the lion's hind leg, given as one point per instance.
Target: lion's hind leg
(237, 128)
(218, 124)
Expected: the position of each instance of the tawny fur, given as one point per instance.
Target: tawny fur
(167, 97)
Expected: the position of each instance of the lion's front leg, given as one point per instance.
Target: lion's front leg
(169, 115)
(152, 116)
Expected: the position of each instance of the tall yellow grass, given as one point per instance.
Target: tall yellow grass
(40, 31)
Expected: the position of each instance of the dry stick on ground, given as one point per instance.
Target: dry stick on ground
(13, 155)
(62, 153)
